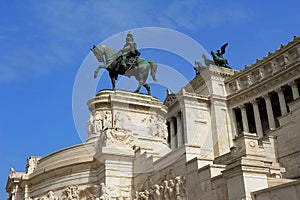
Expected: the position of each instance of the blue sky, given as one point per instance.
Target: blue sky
(43, 44)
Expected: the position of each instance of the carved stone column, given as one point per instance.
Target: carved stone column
(281, 101)
(294, 89)
(244, 118)
(271, 119)
(233, 123)
(172, 132)
(257, 118)
(179, 129)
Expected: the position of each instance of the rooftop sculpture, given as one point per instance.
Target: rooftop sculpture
(218, 57)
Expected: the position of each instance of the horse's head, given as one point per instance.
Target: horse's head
(204, 56)
(98, 52)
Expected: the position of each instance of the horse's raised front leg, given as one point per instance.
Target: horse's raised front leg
(97, 70)
(147, 88)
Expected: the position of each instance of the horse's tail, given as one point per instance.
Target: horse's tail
(153, 66)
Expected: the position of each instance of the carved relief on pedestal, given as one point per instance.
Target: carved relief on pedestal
(51, 196)
(118, 120)
(173, 189)
(98, 122)
(158, 127)
(107, 120)
(91, 125)
(117, 136)
(95, 192)
(71, 193)
(179, 188)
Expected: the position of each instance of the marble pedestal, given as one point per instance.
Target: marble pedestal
(121, 122)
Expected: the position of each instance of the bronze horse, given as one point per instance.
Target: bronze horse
(108, 56)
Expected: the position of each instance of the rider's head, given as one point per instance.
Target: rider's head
(129, 37)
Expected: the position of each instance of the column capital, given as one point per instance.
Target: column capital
(253, 101)
(242, 106)
(278, 90)
(171, 118)
(266, 96)
(178, 114)
(292, 83)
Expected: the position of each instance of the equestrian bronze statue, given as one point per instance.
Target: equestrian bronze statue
(125, 62)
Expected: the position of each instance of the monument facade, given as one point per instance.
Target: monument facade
(226, 135)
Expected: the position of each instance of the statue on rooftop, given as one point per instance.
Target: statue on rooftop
(198, 67)
(218, 57)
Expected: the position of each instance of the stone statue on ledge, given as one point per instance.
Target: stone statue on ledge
(125, 62)
(218, 57)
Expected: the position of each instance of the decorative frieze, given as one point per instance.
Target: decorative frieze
(173, 189)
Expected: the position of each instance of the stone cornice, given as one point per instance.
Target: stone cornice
(271, 56)
(171, 99)
(124, 97)
(209, 72)
(213, 70)
(265, 86)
